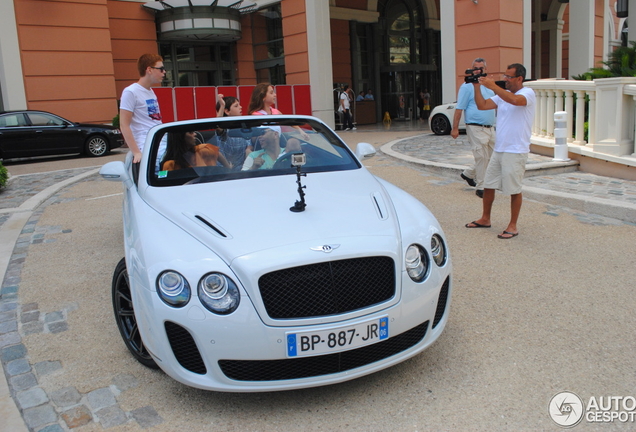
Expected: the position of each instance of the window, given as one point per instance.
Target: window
(269, 53)
(404, 33)
(40, 119)
(198, 65)
(12, 120)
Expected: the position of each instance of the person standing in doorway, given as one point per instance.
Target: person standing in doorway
(345, 103)
(426, 102)
(479, 128)
(515, 114)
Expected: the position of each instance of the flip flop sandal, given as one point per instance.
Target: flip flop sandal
(476, 225)
(503, 235)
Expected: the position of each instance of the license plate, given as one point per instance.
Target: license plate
(312, 343)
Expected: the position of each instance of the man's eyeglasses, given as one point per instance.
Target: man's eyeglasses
(162, 68)
(511, 77)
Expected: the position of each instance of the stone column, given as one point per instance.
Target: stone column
(320, 71)
(631, 36)
(307, 41)
(581, 57)
(613, 121)
(12, 88)
(447, 26)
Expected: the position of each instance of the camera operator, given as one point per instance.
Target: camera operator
(479, 126)
(515, 114)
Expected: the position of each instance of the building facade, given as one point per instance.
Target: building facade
(74, 57)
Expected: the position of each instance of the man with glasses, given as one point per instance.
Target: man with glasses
(515, 113)
(479, 128)
(139, 108)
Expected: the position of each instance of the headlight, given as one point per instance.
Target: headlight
(416, 262)
(438, 250)
(218, 293)
(173, 288)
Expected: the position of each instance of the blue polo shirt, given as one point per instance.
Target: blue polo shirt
(466, 102)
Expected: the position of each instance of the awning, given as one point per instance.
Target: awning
(206, 20)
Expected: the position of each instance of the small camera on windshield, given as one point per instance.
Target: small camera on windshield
(298, 159)
(472, 77)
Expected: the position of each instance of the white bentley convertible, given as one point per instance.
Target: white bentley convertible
(260, 254)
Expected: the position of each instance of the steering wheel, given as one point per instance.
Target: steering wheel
(198, 138)
(283, 162)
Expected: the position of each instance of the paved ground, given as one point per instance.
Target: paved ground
(549, 311)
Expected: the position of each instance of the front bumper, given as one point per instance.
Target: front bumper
(240, 353)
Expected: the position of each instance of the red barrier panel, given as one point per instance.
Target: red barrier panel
(302, 99)
(245, 94)
(165, 97)
(184, 97)
(186, 103)
(205, 102)
(284, 102)
(227, 90)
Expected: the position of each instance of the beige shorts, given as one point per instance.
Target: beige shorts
(505, 172)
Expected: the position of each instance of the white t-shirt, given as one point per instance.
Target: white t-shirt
(345, 98)
(514, 123)
(143, 103)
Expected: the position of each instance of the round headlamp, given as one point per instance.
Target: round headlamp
(173, 288)
(438, 250)
(416, 262)
(218, 293)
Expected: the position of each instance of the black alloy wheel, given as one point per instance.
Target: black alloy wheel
(125, 317)
(440, 125)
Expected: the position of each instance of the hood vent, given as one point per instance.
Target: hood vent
(210, 225)
(380, 207)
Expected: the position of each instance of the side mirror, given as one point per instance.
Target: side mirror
(114, 171)
(365, 150)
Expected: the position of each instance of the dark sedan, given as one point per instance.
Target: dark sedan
(39, 133)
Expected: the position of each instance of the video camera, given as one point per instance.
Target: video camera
(471, 77)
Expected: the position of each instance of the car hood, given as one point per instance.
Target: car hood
(240, 217)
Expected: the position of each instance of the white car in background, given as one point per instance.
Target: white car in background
(440, 121)
(308, 272)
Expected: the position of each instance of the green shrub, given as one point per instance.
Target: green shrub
(4, 175)
(116, 121)
(620, 63)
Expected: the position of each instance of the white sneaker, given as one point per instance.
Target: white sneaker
(354, 128)
(347, 129)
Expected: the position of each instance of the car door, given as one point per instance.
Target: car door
(54, 135)
(15, 135)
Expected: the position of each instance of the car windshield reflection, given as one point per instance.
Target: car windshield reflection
(220, 150)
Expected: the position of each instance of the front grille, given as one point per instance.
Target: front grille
(329, 288)
(441, 302)
(304, 367)
(184, 348)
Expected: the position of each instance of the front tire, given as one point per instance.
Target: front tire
(125, 316)
(96, 145)
(440, 125)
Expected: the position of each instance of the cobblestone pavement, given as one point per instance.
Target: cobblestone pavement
(20, 188)
(67, 408)
(444, 149)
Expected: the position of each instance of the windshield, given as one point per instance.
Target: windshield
(242, 147)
